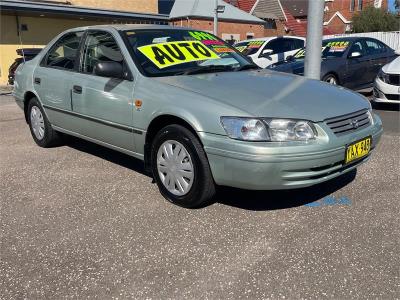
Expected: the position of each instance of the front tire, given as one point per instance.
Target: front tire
(42, 132)
(180, 167)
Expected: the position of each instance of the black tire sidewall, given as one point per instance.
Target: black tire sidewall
(326, 77)
(48, 130)
(182, 135)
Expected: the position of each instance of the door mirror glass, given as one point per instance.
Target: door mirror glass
(109, 69)
(355, 54)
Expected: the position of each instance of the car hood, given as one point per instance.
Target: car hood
(265, 93)
(295, 67)
(393, 67)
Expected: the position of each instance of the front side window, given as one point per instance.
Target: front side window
(63, 54)
(357, 47)
(330, 49)
(167, 52)
(100, 47)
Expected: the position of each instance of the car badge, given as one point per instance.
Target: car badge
(354, 123)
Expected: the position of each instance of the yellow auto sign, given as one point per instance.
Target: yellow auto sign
(164, 55)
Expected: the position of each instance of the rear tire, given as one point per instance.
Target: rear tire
(331, 79)
(180, 167)
(42, 132)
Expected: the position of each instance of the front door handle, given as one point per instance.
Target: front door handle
(37, 80)
(77, 89)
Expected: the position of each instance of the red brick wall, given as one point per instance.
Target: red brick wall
(226, 28)
(343, 6)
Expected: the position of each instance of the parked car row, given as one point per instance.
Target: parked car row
(352, 62)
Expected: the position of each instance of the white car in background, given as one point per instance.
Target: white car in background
(387, 83)
(270, 50)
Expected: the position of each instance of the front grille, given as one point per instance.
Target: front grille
(394, 79)
(393, 97)
(349, 123)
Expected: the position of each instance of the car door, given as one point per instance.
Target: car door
(53, 75)
(103, 106)
(357, 68)
(378, 58)
(271, 53)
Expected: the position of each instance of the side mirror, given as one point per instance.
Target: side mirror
(290, 58)
(266, 52)
(109, 69)
(397, 52)
(355, 54)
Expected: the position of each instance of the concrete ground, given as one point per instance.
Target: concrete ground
(82, 221)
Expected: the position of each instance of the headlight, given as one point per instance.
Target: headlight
(383, 76)
(245, 129)
(273, 130)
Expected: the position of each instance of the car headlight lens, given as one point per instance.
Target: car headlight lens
(383, 76)
(245, 129)
(271, 130)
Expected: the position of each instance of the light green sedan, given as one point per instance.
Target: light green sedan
(196, 111)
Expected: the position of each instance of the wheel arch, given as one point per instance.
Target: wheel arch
(334, 74)
(27, 97)
(156, 125)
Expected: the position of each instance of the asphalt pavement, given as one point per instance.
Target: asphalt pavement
(81, 221)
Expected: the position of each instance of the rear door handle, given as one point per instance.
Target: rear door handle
(37, 80)
(77, 89)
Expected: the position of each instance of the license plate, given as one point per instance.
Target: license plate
(358, 149)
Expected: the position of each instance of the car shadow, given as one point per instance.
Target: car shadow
(243, 199)
(110, 155)
(281, 199)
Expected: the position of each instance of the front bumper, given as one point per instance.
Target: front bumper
(271, 166)
(386, 93)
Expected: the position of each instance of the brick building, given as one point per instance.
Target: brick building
(234, 24)
(338, 13)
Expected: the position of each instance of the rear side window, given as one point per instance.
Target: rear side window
(100, 47)
(63, 54)
(375, 47)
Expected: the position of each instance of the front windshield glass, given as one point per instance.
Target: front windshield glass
(249, 47)
(330, 49)
(168, 52)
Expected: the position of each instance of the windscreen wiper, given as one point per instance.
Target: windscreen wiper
(247, 67)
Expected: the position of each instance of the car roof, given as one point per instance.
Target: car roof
(273, 37)
(344, 39)
(122, 27)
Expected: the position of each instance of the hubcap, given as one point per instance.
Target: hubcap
(37, 122)
(331, 80)
(175, 168)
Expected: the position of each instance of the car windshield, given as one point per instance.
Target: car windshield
(330, 49)
(249, 47)
(167, 52)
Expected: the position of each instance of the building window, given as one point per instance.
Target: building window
(270, 24)
(360, 5)
(352, 4)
